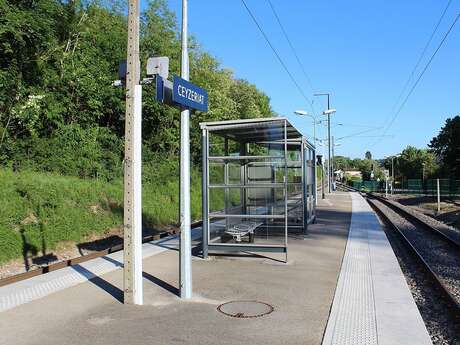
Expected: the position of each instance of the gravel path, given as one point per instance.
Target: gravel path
(436, 311)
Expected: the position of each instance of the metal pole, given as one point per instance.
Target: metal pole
(315, 191)
(204, 193)
(304, 187)
(185, 272)
(392, 174)
(439, 197)
(329, 150)
(285, 192)
(386, 186)
(322, 181)
(226, 183)
(332, 162)
(132, 201)
(314, 161)
(314, 164)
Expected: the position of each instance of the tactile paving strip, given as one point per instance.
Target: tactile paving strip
(353, 317)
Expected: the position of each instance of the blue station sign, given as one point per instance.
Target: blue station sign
(189, 95)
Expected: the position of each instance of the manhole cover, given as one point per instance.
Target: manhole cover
(245, 309)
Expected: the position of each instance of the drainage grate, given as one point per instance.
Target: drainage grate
(245, 309)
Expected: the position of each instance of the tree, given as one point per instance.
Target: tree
(446, 147)
(368, 155)
(415, 163)
(57, 63)
(342, 163)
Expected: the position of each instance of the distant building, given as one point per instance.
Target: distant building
(356, 174)
(338, 174)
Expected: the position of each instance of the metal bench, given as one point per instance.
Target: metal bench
(240, 230)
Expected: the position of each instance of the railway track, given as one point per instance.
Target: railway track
(438, 252)
(78, 260)
(438, 255)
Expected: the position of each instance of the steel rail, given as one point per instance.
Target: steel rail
(406, 214)
(439, 281)
(444, 288)
(80, 259)
(401, 210)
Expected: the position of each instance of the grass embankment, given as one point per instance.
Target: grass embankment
(40, 210)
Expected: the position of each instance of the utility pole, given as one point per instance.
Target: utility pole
(132, 215)
(439, 195)
(328, 113)
(392, 174)
(185, 272)
(332, 160)
(329, 145)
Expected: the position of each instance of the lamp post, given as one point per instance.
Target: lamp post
(328, 112)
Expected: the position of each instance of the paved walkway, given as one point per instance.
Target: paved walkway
(91, 312)
(372, 303)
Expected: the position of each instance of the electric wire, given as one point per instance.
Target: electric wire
(275, 52)
(369, 136)
(360, 132)
(356, 125)
(419, 77)
(411, 75)
(310, 84)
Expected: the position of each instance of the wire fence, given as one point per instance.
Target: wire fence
(448, 188)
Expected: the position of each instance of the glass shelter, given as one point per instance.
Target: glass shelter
(258, 185)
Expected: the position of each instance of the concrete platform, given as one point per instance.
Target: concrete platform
(372, 303)
(301, 293)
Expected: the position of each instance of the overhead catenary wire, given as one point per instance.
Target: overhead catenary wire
(368, 136)
(356, 125)
(286, 36)
(360, 132)
(419, 77)
(411, 75)
(294, 81)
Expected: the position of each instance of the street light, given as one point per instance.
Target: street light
(304, 113)
(328, 112)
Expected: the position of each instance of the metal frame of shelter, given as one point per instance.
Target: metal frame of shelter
(259, 185)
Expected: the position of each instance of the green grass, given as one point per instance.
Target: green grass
(40, 210)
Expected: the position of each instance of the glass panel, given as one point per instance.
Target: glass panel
(217, 199)
(251, 211)
(216, 145)
(216, 173)
(234, 173)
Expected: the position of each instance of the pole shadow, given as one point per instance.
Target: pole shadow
(157, 281)
(99, 282)
(161, 283)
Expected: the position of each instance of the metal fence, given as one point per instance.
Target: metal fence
(448, 188)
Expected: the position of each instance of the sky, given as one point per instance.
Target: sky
(361, 52)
